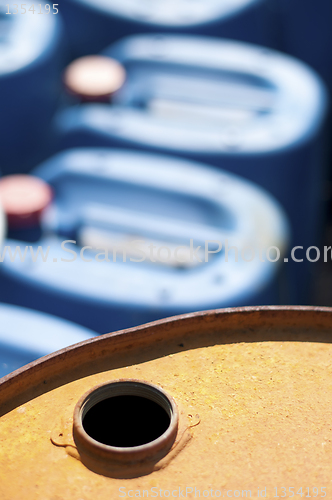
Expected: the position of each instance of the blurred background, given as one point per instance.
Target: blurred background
(200, 130)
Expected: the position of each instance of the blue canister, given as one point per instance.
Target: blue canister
(26, 335)
(242, 108)
(31, 45)
(94, 24)
(132, 237)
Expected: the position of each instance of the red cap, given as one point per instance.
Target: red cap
(23, 198)
(94, 78)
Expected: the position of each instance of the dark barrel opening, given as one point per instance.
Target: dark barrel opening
(126, 421)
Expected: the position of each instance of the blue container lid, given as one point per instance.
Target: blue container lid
(26, 335)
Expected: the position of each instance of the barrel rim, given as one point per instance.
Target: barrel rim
(48, 372)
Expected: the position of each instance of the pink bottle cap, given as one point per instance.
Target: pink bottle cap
(23, 198)
(94, 78)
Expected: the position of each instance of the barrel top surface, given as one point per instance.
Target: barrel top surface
(253, 386)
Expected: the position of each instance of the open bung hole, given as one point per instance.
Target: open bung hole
(124, 427)
(127, 420)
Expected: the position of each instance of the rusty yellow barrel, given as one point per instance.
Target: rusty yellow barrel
(234, 403)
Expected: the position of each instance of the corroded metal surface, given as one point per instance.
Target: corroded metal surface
(253, 385)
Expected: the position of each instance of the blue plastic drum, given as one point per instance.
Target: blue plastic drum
(30, 82)
(133, 237)
(27, 335)
(242, 108)
(94, 24)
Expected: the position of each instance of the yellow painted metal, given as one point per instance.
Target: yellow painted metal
(254, 386)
